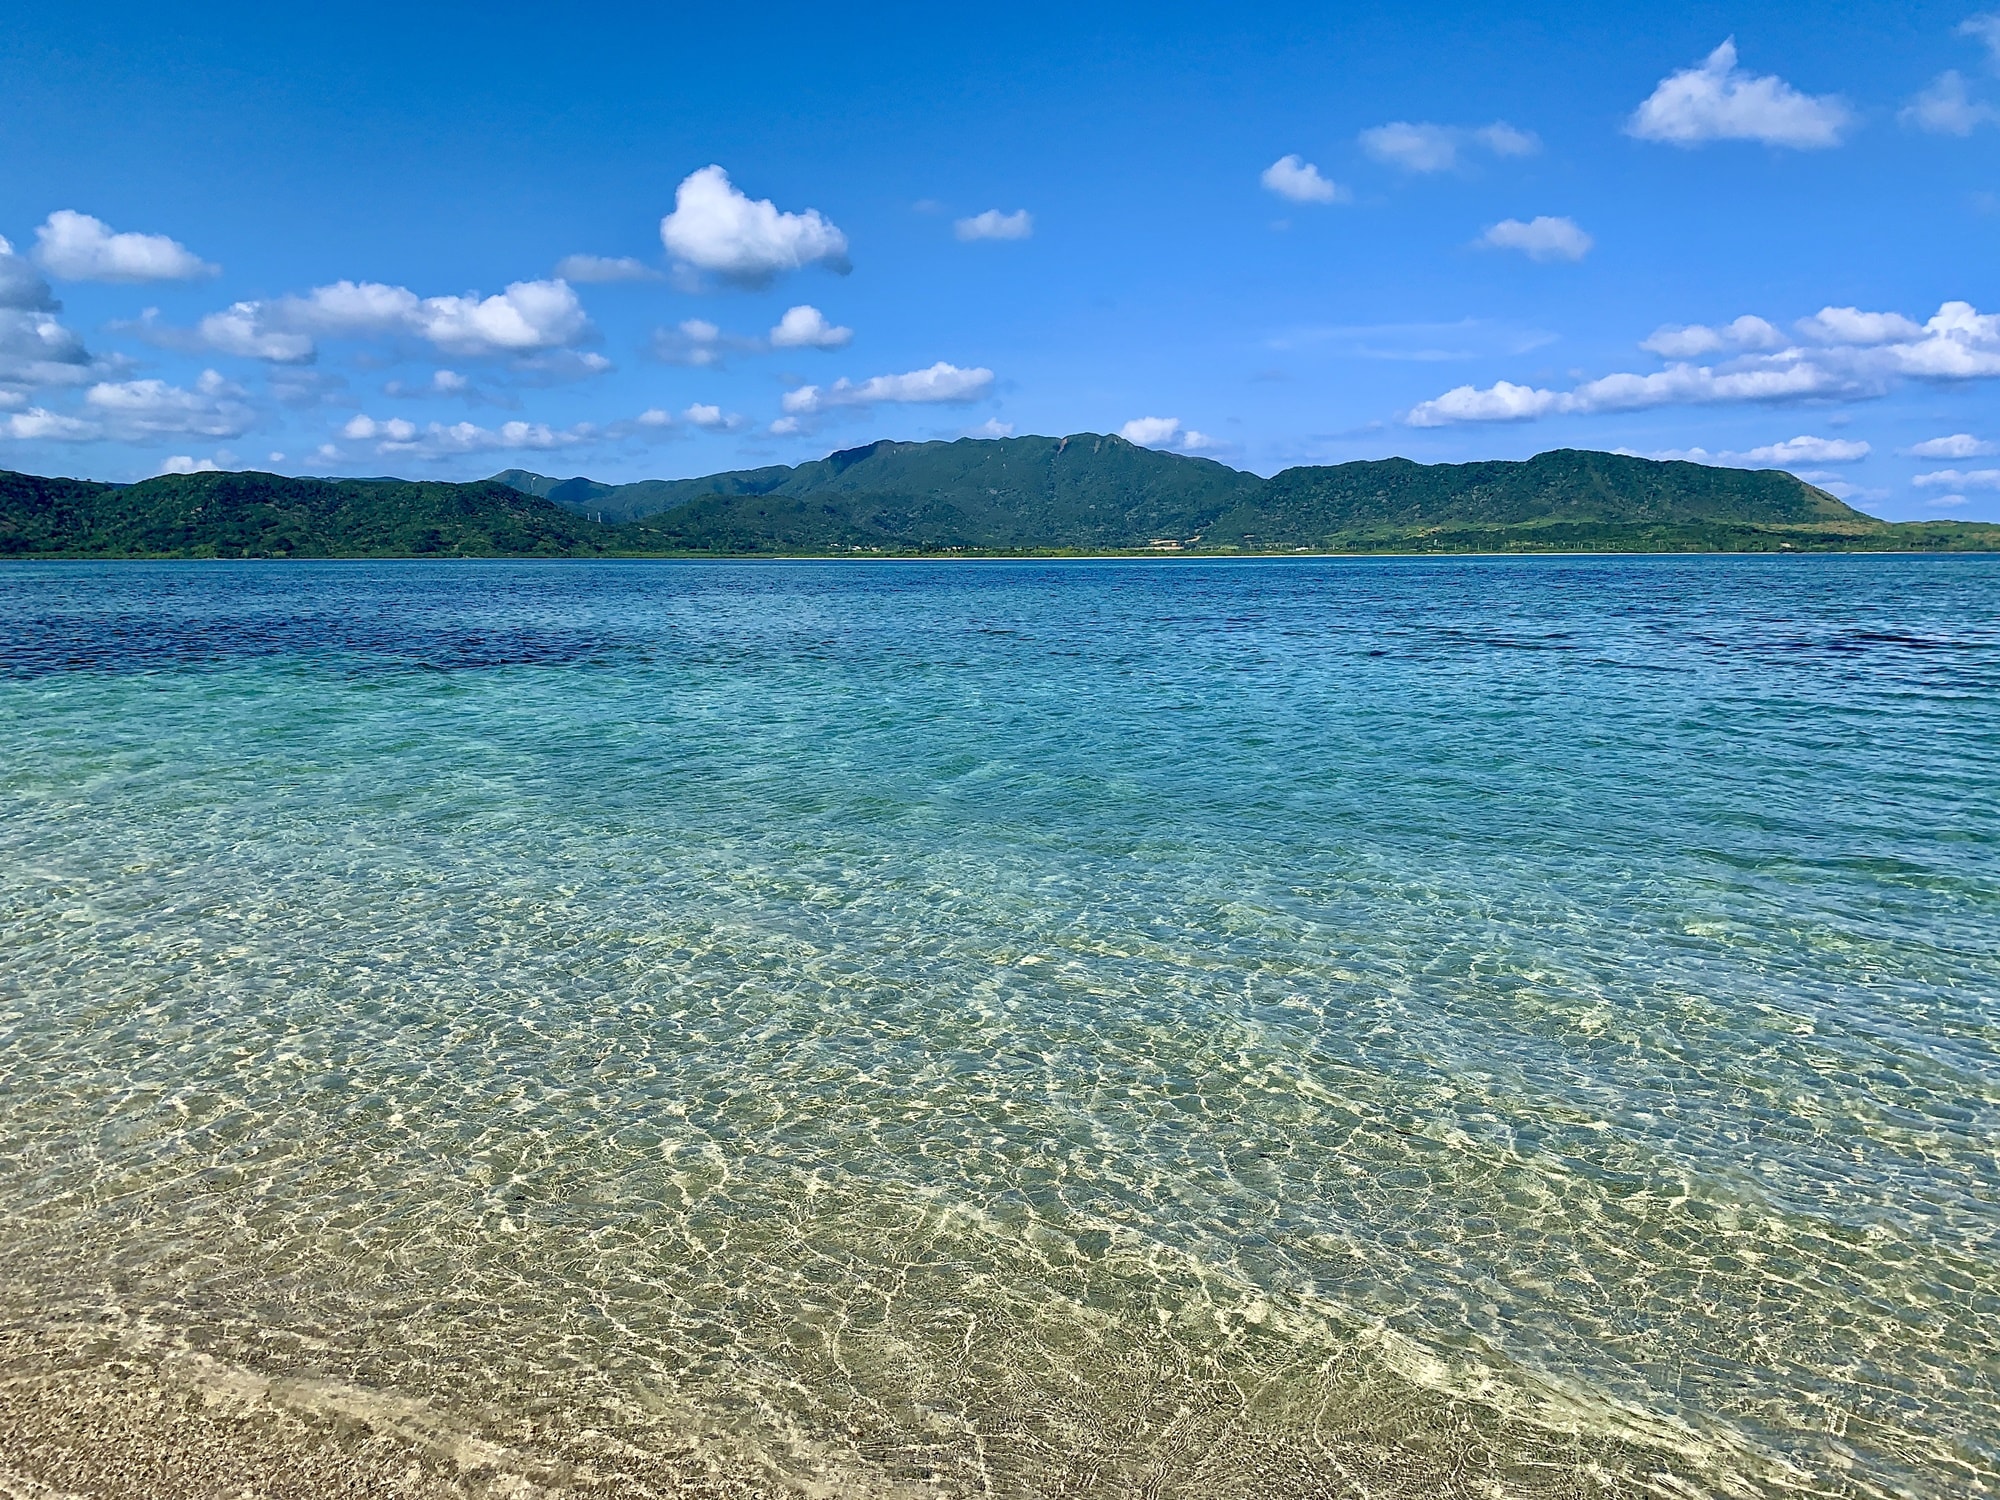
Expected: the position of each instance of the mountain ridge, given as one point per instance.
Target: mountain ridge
(1084, 493)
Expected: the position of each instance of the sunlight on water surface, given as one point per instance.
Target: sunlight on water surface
(1408, 1027)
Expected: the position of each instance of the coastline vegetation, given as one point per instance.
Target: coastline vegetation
(1082, 495)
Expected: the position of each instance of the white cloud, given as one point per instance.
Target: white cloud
(182, 463)
(992, 427)
(1958, 445)
(1436, 148)
(77, 247)
(1719, 101)
(1859, 354)
(994, 225)
(603, 270)
(1679, 384)
(1803, 450)
(35, 348)
(1299, 180)
(242, 329)
(1541, 238)
(716, 227)
(1985, 27)
(941, 382)
(1958, 343)
(1503, 401)
(714, 418)
(1788, 455)
(1165, 432)
(1850, 325)
(1503, 139)
(705, 345)
(1690, 341)
(1944, 500)
(398, 437)
(806, 327)
(39, 425)
(22, 288)
(395, 429)
(134, 410)
(526, 317)
(696, 341)
(1959, 479)
(1947, 107)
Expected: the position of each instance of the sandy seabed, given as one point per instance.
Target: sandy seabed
(108, 1418)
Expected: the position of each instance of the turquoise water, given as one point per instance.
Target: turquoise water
(1394, 1027)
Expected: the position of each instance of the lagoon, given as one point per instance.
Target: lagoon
(1470, 1026)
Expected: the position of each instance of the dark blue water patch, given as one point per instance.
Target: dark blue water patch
(1930, 621)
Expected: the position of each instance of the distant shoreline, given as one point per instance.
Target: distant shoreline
(1148, 556)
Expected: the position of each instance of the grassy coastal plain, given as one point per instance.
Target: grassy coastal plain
(1088, 494)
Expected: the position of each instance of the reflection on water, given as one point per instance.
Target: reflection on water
(1397, 1027)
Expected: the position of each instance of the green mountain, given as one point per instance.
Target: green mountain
(1092, 492)
(268, 515)
(1086, 493)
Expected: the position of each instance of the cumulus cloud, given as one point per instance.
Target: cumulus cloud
(436, 440)
(1679, 384)
(1807, 450)
(1947, 107)
(22, 288)
(38, 424)
(1857, 354)
(35, 348)
(528, 316)
(182, 463)
(806, 327)
(1958, 445)
(716, 227)
(1959, 479)
(1985, 27)
(1437, 148)
(1850, 325)
(603, 270)
(441, 383)
(1299, 180)
(1692, 340)
(1786, 455)
(714, 418)
(1718, 101)
(994, 225)
(76, 247)
(694, 341)
(135, 410)
(941, 382)
(1541, 238)
(244, 329)
(992, 427)
(1166, 432)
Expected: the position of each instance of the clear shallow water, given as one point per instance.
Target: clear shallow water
(1399, 1027)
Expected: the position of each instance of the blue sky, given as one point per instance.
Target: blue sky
(661, 241)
